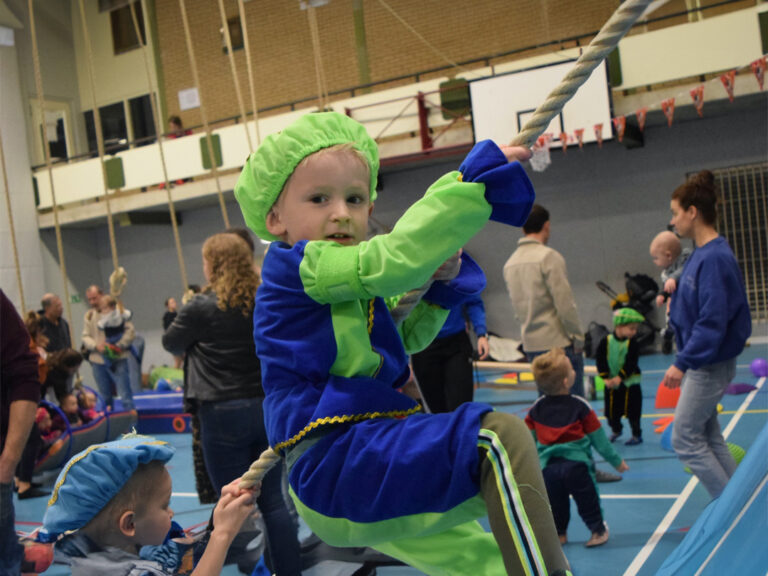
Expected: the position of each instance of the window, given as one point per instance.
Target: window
(235, 35)
(741, 220)
(142, 122)
(124, 36)
(113, 127)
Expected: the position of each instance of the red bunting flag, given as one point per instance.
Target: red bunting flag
(758, 67)
(599, 134)
(579, 132)
(641, 113)
(620, 124)
(564, 141)
(697, 94)
(668, 107)
(729, 79)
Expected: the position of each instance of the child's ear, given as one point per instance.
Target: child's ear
(370, 209)
(127, 523)
(274, 225)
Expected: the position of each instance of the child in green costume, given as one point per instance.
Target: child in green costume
(366, 468)
(617, 363)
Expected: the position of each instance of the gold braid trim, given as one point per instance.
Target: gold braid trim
(341, 420)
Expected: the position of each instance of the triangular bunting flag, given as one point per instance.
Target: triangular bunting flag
(579, 132)
(564, 141)
(758, 67)
(620, 124)
(729, 79)
(668, 107)
(697, 94)
(599, 134)
(641, 113)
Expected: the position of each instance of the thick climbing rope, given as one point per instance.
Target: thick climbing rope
(159, 132)
(322, 88)
(47, 153)
(203, 115)
(605, 41)
(597, 50)
(235, 79)
(118, 277)
(11, 227)
(249, 66)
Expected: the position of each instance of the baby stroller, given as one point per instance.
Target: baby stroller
(641, 291)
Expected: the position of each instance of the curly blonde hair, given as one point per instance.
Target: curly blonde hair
(233, 276)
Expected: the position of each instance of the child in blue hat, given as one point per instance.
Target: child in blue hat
(109, 513)
(366, 468)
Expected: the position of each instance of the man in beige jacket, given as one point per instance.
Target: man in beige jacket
(106, 374)
(537, 282)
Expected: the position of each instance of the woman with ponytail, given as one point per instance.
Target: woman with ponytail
(711, 319)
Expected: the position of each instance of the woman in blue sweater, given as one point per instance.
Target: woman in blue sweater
(711, 318)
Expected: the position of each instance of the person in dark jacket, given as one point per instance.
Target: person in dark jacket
(19, 394)
(223, 380)
(710, 316)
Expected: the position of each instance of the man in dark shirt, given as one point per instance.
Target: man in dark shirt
(19, 395)
(54, 326)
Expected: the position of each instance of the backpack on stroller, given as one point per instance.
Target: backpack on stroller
(640, 294)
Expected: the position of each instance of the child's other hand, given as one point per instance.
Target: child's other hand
(659, 300)
(516, 153)
(613, 382)
(670, 286)
(622, 467)
(233, 489)
(231, 512)
(449, 269)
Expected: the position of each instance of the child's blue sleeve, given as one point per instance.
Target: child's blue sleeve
(507, 187)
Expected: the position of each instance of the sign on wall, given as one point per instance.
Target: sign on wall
(189, 98)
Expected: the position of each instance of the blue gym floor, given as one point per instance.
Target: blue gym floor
(648, 512)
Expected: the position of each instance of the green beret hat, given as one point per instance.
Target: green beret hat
(269, 167)
(627, 316)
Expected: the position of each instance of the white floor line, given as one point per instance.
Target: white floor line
(666, 522)
(184, 494)
(638, 496)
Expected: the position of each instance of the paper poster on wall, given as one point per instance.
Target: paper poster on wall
(189, 98)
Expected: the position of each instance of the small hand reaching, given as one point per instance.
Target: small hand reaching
(623, 467)
(233, 508)
(670, 286)
(516, 153)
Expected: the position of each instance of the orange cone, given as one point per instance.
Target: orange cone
(667, 397)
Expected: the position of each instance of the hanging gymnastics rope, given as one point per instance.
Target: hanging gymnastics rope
(251, 85)
(206, 126)
(118, 277)
(235, 79)
(47, 153)
(322, 89)
(607, 39)
(159, 132)
(11, 228)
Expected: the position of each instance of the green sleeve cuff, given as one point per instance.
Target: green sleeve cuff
(330, 273)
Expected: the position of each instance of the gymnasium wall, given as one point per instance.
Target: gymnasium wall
(606, 205)
(282, 50)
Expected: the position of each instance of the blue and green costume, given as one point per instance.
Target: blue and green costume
(365, 466)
